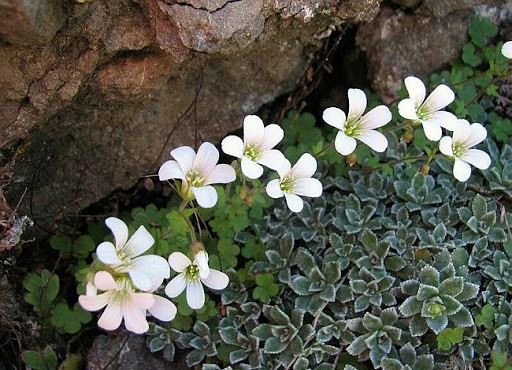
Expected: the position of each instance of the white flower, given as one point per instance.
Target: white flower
(191, 276)
(295, 182)
(506, 50)
(147, 272)
(459, 147)
(256, 148)
(428, 111)
(197, 172)
(357, 126)
(123, 302)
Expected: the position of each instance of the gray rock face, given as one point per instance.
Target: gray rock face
(117, 84)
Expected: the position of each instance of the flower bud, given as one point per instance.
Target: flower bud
(197, 247)
(407, 137)
(424, 170)
(351, 160)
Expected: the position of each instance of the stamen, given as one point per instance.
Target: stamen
(252, 152)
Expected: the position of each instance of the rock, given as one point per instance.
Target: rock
(398, 44)
(410, 4)
(102, 103)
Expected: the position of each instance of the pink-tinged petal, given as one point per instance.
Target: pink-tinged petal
(107, 254)
(446, 119)
(375, 140)
(250, 169)
(344, 144)
(506, 49)
(90, 289)
(185, 156)
(334, 117)
(140, 242)
(463, 131)
(221, 174)
(305, 167)
(254, 130)
(356, 103)
(432, 130)
(94, 302)
(111, 317)
(216, 280)
(143, 300)
(272, 159)
(274, 189)
(308, 187)
(272, 136)
(195, 295)
(377, 117)
(141, 280)
(478, 133)
(135, 319)
(445, 146)
(119, 229)
(461, 170)
(439, 98)
(294, 203)
(151, 265)
(170, 170)
(407, 109)
(206, 159)
(477, 158)
(416, 89)
(201, 261)
(206, 196)
(104, 281)
(176, 286)
(179, 262)
(163, 309)
(232, 145)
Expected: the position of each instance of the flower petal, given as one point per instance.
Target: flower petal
(356, 103)
(308, 187)
(445, 146)
(432, 130)
(251, 169)
(305, 167)
(463, 131)
(334, 117)
(195, 295)
(294, 202)
(143, 300)
(201, 261)
(135, 319)
(273, 134)
(107, 254)
(103, 280)
(274, 189)
(272, 159)
(170, 170)
(478, 133)
(416, 89)
(407, 109)
(439, 98)
(176, 286)
(232, 145)
(377, 117)
(206, 159)
(140, 279)
(221, 174)
(119, 230)
(111, 317)
(140, 242)
(477, 158)
(163, 309)
(152, 265)
(446, 119)
(461, 170)
(216, 280)
(344, 144)
(506, 49)
(206, 196)
(185, 156)
(178, 261)
(254, 130)
(94, 302)
(285, 168)
(375, 140)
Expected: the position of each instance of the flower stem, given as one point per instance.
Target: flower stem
(325, 149)
(403, 125)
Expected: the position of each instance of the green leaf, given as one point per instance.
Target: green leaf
(69, 320)
(266, 288)
(481, 30)
(469, 55)
(486, 317)
(449, 337)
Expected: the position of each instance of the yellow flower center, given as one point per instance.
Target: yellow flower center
(458, 149)
(287, 184)
(252, 152)
(192, 273)
(194, 179)
(352, 127)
